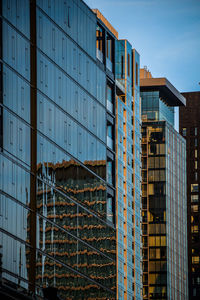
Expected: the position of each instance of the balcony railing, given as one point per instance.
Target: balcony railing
(120, 85)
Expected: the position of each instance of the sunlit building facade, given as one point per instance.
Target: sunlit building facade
(123, 99)
(57, 156)
(164, 202)
(70, 153)
(189, 127)
(128, 172)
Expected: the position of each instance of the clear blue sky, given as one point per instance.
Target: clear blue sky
(166, 33)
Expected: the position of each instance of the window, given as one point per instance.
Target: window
(194, 187)
(195, 142)
(194, 198)
(136, 73)
(122, 66)
(128, 64)
(195, 153)
(99, 43)
(195, 164)
(195, 259)
(184, 131)
(195, 176)
(194, 208)
(194, 229)
(195, 130)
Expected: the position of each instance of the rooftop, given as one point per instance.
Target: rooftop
(168, 92)
(105, 22)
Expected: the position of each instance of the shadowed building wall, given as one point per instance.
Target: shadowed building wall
(189, 127)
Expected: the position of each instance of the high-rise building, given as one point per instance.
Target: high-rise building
(189, 127)
(57, 166)
(67, 85)
(128, 191)
(164, 204)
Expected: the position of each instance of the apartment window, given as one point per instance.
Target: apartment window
(195, 142)
(195, 153)
(122, 66)
(136, 73)
(195, 259)
(194, 208)
(194, 198)
(99, 43)
(128, 64)
(194, 229)
(194, 187)
(184, 131)
(195, 131)
(195, 176)
(109, 51)
(110, 172)
(195, 164)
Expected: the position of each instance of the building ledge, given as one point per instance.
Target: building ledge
(169, 94)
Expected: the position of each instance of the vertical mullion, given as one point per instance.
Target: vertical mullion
(33, 117)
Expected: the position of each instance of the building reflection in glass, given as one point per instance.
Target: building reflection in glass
(71, 235)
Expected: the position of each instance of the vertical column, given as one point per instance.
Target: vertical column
(1, 80)
(33, 117)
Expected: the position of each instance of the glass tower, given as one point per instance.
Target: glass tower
(164, 200)
(70, 184)
(57, 184)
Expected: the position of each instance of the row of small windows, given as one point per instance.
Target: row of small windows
(193, 131)
(75, 20)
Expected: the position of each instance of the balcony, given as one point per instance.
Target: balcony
(109, 142)
(109, 65)
(109, 106)
(109, 178)
(99, 55)
(120, 86)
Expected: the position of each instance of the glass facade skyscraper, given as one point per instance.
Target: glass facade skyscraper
(57, 166)
(164, 204)
(70, 153)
